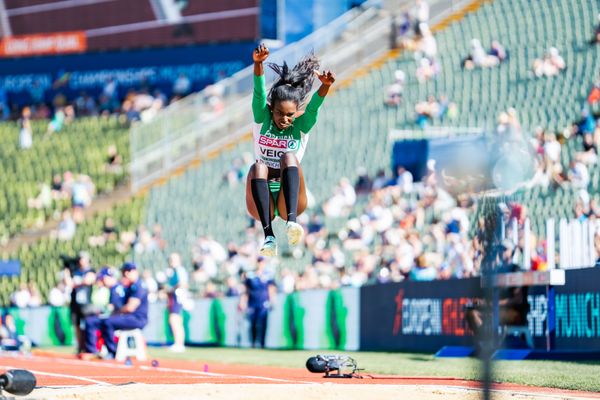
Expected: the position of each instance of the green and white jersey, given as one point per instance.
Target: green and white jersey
(269, 142)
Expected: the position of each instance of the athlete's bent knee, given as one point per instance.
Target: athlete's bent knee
(259, 170)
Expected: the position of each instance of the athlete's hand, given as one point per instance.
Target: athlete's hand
(326, 77)
(260, 54)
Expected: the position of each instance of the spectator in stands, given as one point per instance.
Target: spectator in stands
(404, 179)
(362, 185)
(342, 201)
(113, 299)
(594, 96)
(578, 175)
(479, 58)
(586, 125)
(215, 97)
(85, 105)
(111, 89)
(427, 45)
(420, 14)
(498, 51)
(552, 149)
(423, 271)
(129, 112)
(35, 299)
(426, 70)
(589, 155)
(43, 200)
(82, 191)
(57, 188)
(393, 93)
(380, 180)
(176, 287)
(550, 65)
(25, 131)
(182, 85)
(402, 25)
(427, 111)
(109, 234)
(232, 287)
(133, 315)
(59, 295)
(509, 127)
(257, 300)
(57, 122)
(151, 112)
(21, 297)
(66, 227)
(114, 161)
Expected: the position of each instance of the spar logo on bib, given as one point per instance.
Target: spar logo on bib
(276, 143)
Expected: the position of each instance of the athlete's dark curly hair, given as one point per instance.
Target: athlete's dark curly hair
(294, 85)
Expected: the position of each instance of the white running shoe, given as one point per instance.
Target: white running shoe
(174, 348)
(269, 247)
(295, 232)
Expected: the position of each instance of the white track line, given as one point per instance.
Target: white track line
(65, 376)
(187, 371)
(166, 369)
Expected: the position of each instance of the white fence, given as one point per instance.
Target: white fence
(575, 243)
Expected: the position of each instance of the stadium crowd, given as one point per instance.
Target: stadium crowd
(406, 230)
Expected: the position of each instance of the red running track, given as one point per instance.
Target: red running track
(54, 370)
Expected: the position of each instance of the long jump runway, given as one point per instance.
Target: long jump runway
(66, 377)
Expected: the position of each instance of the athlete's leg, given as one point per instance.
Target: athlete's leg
(293, 201)
(296, 190)
(259, 204)
(258, 174)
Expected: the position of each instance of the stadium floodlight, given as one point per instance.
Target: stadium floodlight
(17, 381)
(332, 366)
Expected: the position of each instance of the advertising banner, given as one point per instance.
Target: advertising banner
(416, 316)
(408, 316)
(43, 44)
(425, 316)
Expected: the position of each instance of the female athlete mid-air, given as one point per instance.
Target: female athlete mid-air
(280, 134)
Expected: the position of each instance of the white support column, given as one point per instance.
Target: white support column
(583, 257)
(550, 244)
(563, 243)
(527, 245)
(576, 244)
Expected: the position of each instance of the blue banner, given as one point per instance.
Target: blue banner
(156, 68)
(425, 316)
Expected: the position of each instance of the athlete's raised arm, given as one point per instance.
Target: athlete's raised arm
(327, 78)
(260, 110)
(260, 54)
